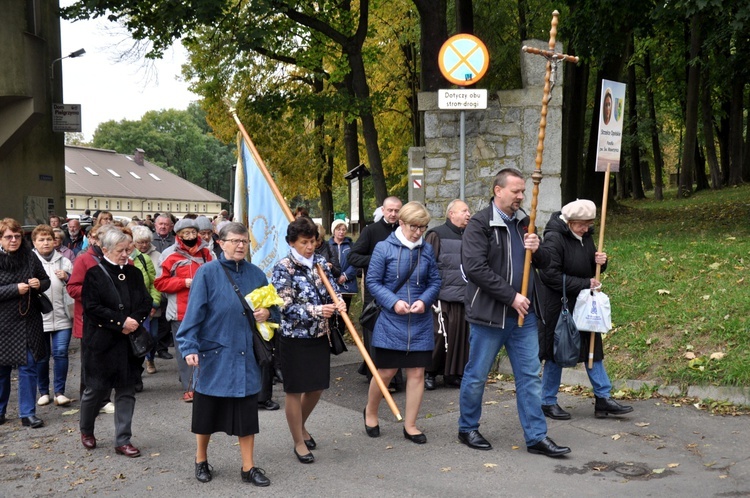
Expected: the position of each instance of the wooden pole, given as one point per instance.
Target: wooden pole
(536, 177)
(329, 287)
(600, 248)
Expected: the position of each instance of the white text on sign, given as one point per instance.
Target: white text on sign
(462, 99)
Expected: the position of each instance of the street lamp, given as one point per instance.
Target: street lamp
(71, 55)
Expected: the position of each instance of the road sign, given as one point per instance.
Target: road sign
(66, 117)
(417, 183)
(462, 99)
(463, 59)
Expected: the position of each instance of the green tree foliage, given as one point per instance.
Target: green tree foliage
(178, 141)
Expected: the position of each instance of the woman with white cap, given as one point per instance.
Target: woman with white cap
(569, 233)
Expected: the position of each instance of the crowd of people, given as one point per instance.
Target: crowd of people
(449, 299)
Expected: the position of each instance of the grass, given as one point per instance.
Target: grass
(678, 286)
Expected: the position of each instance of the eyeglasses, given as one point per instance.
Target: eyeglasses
(12, 237)
(417, 228)
(237, 242)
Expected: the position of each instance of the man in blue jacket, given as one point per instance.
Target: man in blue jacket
(492, 254)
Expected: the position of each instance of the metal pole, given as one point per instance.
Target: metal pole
(462, 156)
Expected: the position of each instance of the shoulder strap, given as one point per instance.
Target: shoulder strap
(248, 311)
(143, 261)
(408, 275)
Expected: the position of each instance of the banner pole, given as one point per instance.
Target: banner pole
(600, 248)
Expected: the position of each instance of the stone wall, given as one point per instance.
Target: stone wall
(503, 135)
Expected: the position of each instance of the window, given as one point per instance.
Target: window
(70, 170)
(177, 207)
(134, 175)
(117, 205)
(96, 203)
(158, 206)
(148, 206)
(114, 173)
(129, 205)
(205, 210)
(168, 206)
(72, 204)
(196, 208)
(106, 204)
(91, 171)
(154, 177)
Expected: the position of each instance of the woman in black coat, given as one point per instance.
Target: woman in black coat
(22, 340)
(115, 303)
(569, 233)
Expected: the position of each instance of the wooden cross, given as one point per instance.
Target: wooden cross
(553, 58)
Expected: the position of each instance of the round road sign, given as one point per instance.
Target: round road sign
(463, 59)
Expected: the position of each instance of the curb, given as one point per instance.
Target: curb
(578, 376)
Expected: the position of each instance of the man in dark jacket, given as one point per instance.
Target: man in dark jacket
(361, 251)
(492, 254)
(450, 328)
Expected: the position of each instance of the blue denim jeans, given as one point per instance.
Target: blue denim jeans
(26, 387)
(152, 325)
(553, 373)
(522, 346)
(60, 340)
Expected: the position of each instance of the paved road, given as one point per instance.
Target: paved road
(659, 450)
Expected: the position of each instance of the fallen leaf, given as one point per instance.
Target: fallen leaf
(490, 465)
(603, 467)
(716, 356)
(663, 291)
(677, 405)
(445, 469)
(643, 424)
(723, 476)
(657, 471)
(714, 266)
(490, 402)
(389, 447)
(616, 437)
(673, 465)
(689, 355)
(514, 447)
(70, 412)
(706, 297)
(648, 342)
(155, 454)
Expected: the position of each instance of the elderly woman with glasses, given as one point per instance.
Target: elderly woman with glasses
(403, 278)
(569, 233)
(22, 343)
(216, 338)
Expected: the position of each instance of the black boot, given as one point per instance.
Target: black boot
(429, 381)
(608, 406)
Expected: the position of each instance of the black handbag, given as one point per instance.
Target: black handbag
(141, 342)
(335, 336)
(45, 305)
(567, 345)
(262, 349)
(370, 313)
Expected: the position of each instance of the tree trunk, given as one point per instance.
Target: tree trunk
(746, 160)
(635, 151)
(654, 131)
(351, 142)
(575, 96)
(735, 131)
(523, 28)
(701, 180)
(464, 16)
(708, 130)
(434, 32)
(648, 185)
(325, 169)
(410, 57)
(685, 188)
(369, 131)
(722, 134)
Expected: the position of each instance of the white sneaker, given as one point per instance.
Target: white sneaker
(43, 400)
(62, 400)
(108, 408)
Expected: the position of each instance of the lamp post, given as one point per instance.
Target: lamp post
(71, 55)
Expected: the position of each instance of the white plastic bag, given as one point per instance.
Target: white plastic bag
(593, 312)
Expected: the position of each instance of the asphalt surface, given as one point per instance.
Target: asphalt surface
(658, 450)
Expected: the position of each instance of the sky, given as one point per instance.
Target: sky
(108, 89)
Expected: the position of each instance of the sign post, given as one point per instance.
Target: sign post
(463, 60)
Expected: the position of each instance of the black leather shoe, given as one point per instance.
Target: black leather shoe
(371, 431)
(255, 476)
(415, 438)
(308, 458)
(473, 439)
(33, 421)
(608, 406)
(453, 380)
(203, 471)
(310, 443)
(139, 387)
(547, 447)
(2, 419)
(268, 405)
(429, 382)
(555, 412)
(164, 355)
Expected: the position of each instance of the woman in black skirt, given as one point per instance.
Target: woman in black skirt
(403, 278)
(303, 342)
(214, 333)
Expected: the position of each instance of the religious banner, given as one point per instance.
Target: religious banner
(257, 207)
(611, 113)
